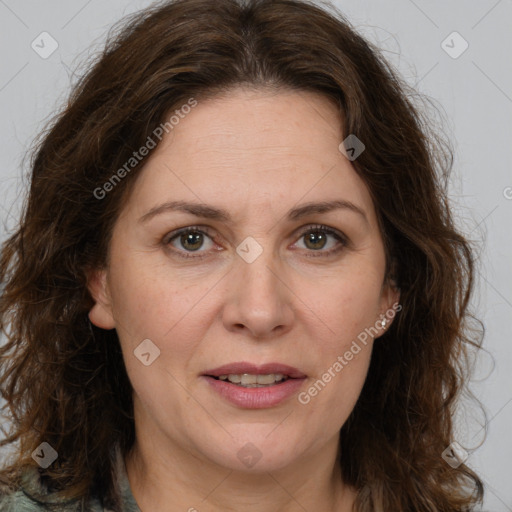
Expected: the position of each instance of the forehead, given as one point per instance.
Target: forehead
(245, 123)
(253, 150)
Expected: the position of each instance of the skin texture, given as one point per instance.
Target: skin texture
(256, 154)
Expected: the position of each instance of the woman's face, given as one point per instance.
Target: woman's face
(263, 278)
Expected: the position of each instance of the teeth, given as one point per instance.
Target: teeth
(252, 381)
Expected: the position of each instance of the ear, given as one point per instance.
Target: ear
(101, 314)
(389, 305)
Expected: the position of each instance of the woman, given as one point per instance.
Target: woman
(237, 284)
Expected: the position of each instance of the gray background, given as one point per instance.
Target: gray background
(473, 90)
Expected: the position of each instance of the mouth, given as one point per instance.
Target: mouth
(272, 384)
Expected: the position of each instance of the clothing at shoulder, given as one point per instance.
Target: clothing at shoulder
(19, 501)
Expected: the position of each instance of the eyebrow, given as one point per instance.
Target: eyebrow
(210, 212)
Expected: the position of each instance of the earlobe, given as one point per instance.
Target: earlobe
(101, 314)
(390, 306)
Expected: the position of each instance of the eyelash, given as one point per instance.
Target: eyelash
(206, 231)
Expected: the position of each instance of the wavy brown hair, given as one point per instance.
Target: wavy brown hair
(64, 380)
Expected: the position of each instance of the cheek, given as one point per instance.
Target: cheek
(148, 298)
(152, 303)
(345, 305)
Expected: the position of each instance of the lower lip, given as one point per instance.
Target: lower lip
(255, 398)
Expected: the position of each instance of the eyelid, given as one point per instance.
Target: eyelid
(173, 234)
(321, 227)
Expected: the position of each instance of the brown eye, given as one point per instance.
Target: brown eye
(317, 238)
(189, 240)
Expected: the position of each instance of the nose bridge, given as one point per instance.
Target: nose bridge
(257, 281)
(257, 277)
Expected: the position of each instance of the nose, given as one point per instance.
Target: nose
(259, 301)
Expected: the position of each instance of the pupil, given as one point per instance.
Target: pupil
(192, 241)
(316, 238)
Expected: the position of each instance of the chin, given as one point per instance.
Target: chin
(256, 455)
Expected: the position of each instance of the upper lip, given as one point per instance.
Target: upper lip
(241, 367)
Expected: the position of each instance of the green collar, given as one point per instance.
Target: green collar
(31, 486)
(127, 499)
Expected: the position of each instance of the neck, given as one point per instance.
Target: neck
(176, 480)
